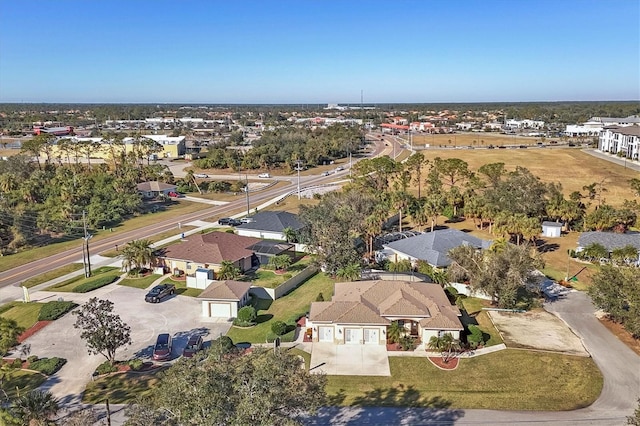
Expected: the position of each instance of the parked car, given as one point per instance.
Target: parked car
(193, 345)
(235, 222)
(201, 175)
(162, 349)
(224, 221)
(159, 292)
(324, 174)
(339, 169)
(264, 175)
(246, 220)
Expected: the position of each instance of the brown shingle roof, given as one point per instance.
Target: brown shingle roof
(371, 302)
(154, 186)
(225, 290)
(211, 248)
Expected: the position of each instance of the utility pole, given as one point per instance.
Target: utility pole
(85, 242)
(298, 169)
(246, 189)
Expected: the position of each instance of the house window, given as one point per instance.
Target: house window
(188, 265)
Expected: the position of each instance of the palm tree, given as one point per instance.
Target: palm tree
(290, 234)
(395, 332)
(137, 254)
(446, 345)
(36, 408)
(281, 261)
(350, 272)
(228, 271)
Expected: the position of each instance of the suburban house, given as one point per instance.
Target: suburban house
(609, 240)
(551, 229)
(432, 247)
(270, 225)
(360, 312)
(207, 251)
(223, 299)
(153, 189)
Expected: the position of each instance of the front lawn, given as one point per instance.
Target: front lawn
(283, 309)
(25, 314)
(120, 388)
(21, 382)
(79, 284)
(270, 279)
(505, 380)
(142, 282)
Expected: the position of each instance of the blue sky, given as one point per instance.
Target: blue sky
(307, 51)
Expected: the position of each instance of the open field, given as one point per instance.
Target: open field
(476, 139)
(571, 167)
(505, 380)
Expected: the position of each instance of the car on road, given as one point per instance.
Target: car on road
(159, 292)
(201, 175)
(162, 349)
(324, 174)
(193, 345)
(339, 169)
(264, 175)
(224, 221)
(247, 220)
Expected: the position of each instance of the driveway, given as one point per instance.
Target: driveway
(349, 360)
(178, 315)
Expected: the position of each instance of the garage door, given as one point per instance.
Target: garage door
(372, 336)
(352, 335)
(325, 334)
(220, 310)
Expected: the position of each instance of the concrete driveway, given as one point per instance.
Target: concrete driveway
(350, 360)
(178, 315)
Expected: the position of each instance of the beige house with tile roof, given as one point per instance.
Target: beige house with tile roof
(360, 312)
(223, 299)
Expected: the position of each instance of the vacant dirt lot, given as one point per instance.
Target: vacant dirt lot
(537, 330)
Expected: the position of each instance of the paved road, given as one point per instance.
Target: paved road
(620, 367)
(628, 164)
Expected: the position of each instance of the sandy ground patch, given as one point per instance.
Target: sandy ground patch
(537, 330)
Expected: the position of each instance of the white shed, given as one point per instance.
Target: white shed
(551, 229)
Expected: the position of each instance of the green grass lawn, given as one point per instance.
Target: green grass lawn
(120, 388)
(474, 306)
(181, 288)
(298, 301)
(48, 276)
(21, 382)
(505, 380)
(71, 283)
(25, 314)
(142, 282)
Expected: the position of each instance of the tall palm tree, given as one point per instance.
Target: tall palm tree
(36, 408)
(136, 255)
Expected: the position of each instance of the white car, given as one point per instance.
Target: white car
(264, 175)
(200, 175)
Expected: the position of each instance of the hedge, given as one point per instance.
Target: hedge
(95, 283)
(53, 310)
(48, 366)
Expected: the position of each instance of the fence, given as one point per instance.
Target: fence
(285, 287)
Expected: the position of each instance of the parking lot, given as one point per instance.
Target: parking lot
(177, 315)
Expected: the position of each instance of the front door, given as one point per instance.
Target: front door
(371, 336)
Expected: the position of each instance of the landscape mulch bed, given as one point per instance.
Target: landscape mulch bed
(623, 335)
(452, 364)
(39, 325)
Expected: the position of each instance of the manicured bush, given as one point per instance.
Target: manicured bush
(474, 338)
(105, 368)
(224, 343)
(32, 359)
(53, 310)
(247, 314)
(319, 298)
(17, 363)
(48, 366)
(136, 364)
(278, 328)
(407, 343)
(95, 283)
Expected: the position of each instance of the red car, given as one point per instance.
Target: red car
(193, 345)
(162, 349)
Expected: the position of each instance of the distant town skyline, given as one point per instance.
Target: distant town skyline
(314, 52)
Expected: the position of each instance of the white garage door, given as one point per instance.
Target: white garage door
(325, 334)
(220, 310)
(372, 336)
(352, 335)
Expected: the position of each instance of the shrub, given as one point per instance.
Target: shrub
(95, 283)
(474, 338)
(106, 368)
(279, 328)
(32, 359)
(247, 314)
(451, 290)
(53, 310)
(48, 366)
(136, 364)
(407, 343)
(224, 342)
(17, 363)
(320, 298)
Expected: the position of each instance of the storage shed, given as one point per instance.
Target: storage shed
(551, 229)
